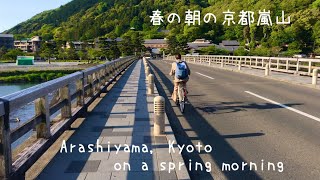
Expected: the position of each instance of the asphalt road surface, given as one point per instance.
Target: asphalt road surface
(273, 125)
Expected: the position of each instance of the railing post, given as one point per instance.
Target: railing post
(42, 110)
(109, 73)
(115, 68)
(80, 89)
(65, 95)
(239, 67)
(287, 65)
(278, 63)
(112, 70)
(309, 68)
(270, 63)
(106, 74)
(102, 77)
(95, 77)
(118, 65)
(90, 83)
(5, 142)
(297, 67)
(315, 76)
(222, 62)
(267, 70)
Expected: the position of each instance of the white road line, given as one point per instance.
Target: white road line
(205, 75)
(284, 106)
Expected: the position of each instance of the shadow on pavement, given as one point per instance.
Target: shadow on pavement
(75, 164)
(232, 107)
(222, 152)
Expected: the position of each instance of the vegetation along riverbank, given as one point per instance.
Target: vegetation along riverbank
(33, 75)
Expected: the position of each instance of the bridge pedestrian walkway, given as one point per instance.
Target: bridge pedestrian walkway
(124, 116)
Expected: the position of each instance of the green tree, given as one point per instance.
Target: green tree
(135, 23)
(110, 49)
(137, 41)
(47, 50)
(71, 52)
(177, 44)
(3, 51)
(132, 42)
(93, 54)
(13, 53)
(125, 46)
(82, 54)
(241, 52)
(62, 53)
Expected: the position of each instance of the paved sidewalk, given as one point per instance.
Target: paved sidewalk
(280, 76)
(123, 116)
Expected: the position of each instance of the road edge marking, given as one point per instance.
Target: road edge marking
(204, 75)
(284, 106)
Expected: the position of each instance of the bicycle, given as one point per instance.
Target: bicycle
(182, 96)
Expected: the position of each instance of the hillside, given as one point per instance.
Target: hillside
(88, 19)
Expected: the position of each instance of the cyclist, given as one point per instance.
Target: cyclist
(181, 72)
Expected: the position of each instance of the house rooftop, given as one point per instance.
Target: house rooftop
(6, 35)
(118, 39)
(201, 41)
(230, 43)
(155, 41)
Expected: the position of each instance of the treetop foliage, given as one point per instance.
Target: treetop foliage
(87, 20)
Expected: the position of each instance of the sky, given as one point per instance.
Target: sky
(14, 12)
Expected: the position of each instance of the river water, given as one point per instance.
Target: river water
(6, 89)
(27, 111)
(24, 113)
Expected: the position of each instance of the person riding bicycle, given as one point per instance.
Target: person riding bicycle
(181, 72)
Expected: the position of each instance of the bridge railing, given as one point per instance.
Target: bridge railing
(301, 66)
(73, 94)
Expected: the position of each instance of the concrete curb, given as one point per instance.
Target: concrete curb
(183, 173)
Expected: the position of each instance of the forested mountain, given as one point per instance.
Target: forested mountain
(88, 19)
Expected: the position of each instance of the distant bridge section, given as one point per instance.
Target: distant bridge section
(302, 66)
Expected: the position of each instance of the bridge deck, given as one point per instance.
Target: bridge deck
(123, 116)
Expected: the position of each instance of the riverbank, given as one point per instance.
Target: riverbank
(40, 72)
(18, 76)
